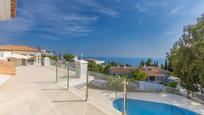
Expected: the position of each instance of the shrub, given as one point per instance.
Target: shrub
(171, 84)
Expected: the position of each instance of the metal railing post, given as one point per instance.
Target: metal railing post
(67, 77)
(125, 97)
(87, 81)
(56, 71)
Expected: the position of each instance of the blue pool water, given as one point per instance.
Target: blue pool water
(138, 107)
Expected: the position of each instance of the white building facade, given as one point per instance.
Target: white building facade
(20, 55)
(7, 9)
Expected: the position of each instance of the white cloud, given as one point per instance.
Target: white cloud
(175, 11)
(56, 18)
(149, 5)
(97, 7)
(186, 13)
(140, 8)
(154, 3)
(12, 28)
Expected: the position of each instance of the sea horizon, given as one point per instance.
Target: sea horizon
(133, 61)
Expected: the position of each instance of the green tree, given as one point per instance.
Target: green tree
(128, 65)
(69, 57)
(53, 57)
(162, 66)
(106, 68)
(121, 65)
(149, 62)
(157, 63)
(137, 75)
(187, 56)
(170, 68)
(171, 84)
(142, 62)
(92, 66)
(113, 63)
(165, 65)
(154, 64)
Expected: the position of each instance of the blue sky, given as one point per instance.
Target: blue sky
(127, 28)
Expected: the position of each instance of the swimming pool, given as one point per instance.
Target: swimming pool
(138, 107)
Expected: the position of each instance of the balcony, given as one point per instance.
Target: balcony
(57, 89)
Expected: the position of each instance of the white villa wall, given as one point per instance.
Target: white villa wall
(5, 54)
(9, 53)
(37, 54)
(5, 9)
(1, 54)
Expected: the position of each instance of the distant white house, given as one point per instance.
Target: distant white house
(99, 62)
(20, 55)
(46, 53)
(76, 58)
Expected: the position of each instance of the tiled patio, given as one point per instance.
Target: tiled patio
(34, 92)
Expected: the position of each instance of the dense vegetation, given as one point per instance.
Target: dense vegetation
(103, 68)
(186, 58)
(53, 57)
(92, 66)
(149, 62)
(138, 75)
(69, 57)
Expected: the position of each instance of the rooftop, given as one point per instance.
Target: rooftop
(153, 71)
(18, 48)
(121, 70)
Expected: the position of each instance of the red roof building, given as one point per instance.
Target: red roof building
(121, 71)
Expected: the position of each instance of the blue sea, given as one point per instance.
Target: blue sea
(134, 61)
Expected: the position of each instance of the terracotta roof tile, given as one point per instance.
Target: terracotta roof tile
(121, 70)
(17, 48)
(153, 71)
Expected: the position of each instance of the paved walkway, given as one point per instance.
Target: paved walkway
(34, 92)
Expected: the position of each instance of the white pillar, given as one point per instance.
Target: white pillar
(5, 9)
(46, 61)
(81, 69)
